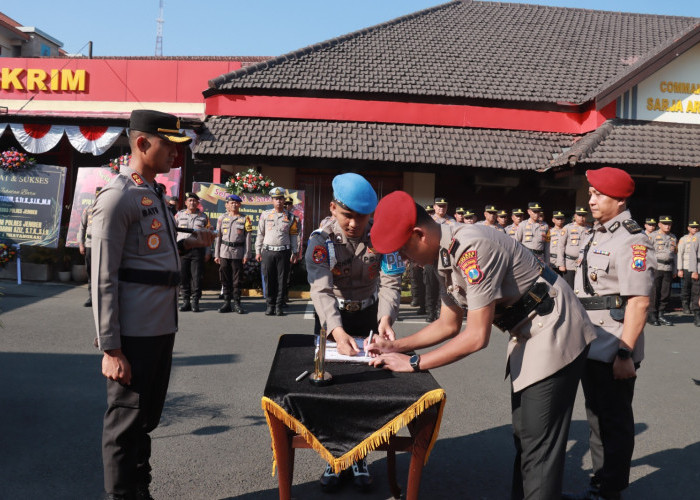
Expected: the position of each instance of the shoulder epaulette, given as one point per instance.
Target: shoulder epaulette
(631, 226)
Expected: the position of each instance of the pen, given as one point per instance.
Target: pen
(369, 339)
(304, 374)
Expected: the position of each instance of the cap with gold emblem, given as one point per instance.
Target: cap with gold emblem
(502, 213)
(460, 210)
(289, 200)
(277, 192)
(694, 223)
(534, 206)
(163, 125)
(490, 208)
(665, 219)
(581, 211)
(429, 209)
(469, 212)
(440, 201)
(558, 214)
(191, 195)
(651, 221)
(517, 211)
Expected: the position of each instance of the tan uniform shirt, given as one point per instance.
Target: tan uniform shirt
(620, 261)
(497, 227)
(694, 254)
(184, 219)
(535, 236)
(133, 229)
(277, 229)
(684, 252)
(233, 240)
(341, 268)
(479, 266)
(85, 231)
(557, 240)
(572, 244)
(665, 246)
(449, 220)
(511, 230)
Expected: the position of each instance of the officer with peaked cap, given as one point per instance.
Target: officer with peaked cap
(192, 262)
(500, 282)
(613, 281)
(502, 219)
(534, 234)
(469, 216)
(432, 285)
(694, 271)
(135, 272)
(490, 218)
(85, 243)
(459, 214)
(231, 250)
(516, 215)
(684, 265)
(666, 247)
(276, 246)
(650, 225)
(557, 237)
(571, 243)
(354, 288)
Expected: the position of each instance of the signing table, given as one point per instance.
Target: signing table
(362, 410)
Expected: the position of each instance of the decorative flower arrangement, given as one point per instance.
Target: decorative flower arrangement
(12, 160)
(116, 163)
(250, 181)
(7, 255)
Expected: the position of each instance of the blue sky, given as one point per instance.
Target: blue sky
(242, 28)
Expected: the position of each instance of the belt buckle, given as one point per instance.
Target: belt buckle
(352, 306)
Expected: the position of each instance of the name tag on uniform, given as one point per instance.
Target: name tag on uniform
(393, 264)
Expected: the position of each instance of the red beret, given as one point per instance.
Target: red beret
(612, 182)
(394, 220)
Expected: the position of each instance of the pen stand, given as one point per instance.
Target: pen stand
(320, 376)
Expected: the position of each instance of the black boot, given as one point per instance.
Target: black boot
(653, 319)
(88, 302)
(186, 306)
(697, 318)
(664, 321)
(270, 311)
(686, 309)
(195, 305)
(226, 308)
(278, 310)
(237, 307)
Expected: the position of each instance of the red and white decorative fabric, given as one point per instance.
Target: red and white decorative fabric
(37, 137)
(92, 139)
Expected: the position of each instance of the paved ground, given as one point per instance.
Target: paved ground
(213, 441)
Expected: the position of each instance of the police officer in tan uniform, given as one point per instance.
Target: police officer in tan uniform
(665, 245)
(231, 250)
(534, 234)
(432, 285)
(572, 244)
(193, 260)
(684, 265)
(469, 216)
(500, 283)
(650, 225)
(491, 218)
(613, 281)
(135, 269)
(516, 215)
(354, 288)
(276, 246)
(694, 271)
(459, 214)
(502, 219)
(557, 237)
(85, 242)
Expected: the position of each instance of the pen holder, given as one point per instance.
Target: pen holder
(320, 376)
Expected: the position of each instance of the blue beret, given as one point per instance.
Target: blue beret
(234, 197)
(355, 193)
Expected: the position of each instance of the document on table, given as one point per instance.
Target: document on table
(333, 356)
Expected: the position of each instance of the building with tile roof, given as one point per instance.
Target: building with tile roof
(478, 101)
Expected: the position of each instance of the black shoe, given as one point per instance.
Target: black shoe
(285, 305)
(186, 306)
(591, 493)
(414, 303)
(142, 493)
(195, 306)
(686, 310)
(431, 317)
(360, 475)
(664, 321)
(279, 311)
(88, 303)
(329, 480)
(226, 308)
(421, 311)
(270, 311)
(653, 319)
(697, 319)
(237, 307)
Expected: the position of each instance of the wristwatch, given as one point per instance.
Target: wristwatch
(624, 353)
(415, 362)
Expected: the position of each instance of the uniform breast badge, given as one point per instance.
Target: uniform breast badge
(153, 241)
(156, 224)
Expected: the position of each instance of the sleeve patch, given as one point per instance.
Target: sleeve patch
(639, 257)
(320, 254)
(469, 264)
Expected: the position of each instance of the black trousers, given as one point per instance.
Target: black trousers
(569, 277)
(686, 289)
(230, 276)
(541, 417)
(133, 411)
(432, 289)
(88, 265)
(661, 291)
(417, 285)
(695, 295)
(275, 269)
(357, 324)
(611, 422)
(192, 269)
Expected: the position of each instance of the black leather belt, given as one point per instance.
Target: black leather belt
(569, 257)
(150, 277)
(553, 255)
(535, 299)
(670, 261)
(233, 245)
(601, 302)
(537, 252)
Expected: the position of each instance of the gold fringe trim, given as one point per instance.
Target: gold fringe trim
(371, 443)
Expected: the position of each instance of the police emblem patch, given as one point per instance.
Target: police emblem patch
(153, 241)
(320, 254)
(137, 179)
(146, 201)
(639, 257)
(155, 224)
(469, 265)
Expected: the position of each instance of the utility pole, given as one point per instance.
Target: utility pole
(159, 31)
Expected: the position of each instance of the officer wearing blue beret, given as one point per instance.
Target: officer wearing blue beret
(354, 288)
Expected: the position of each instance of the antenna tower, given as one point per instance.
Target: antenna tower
(159, 31)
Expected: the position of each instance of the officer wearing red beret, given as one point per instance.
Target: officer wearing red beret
(613, 281)
(500, 282)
